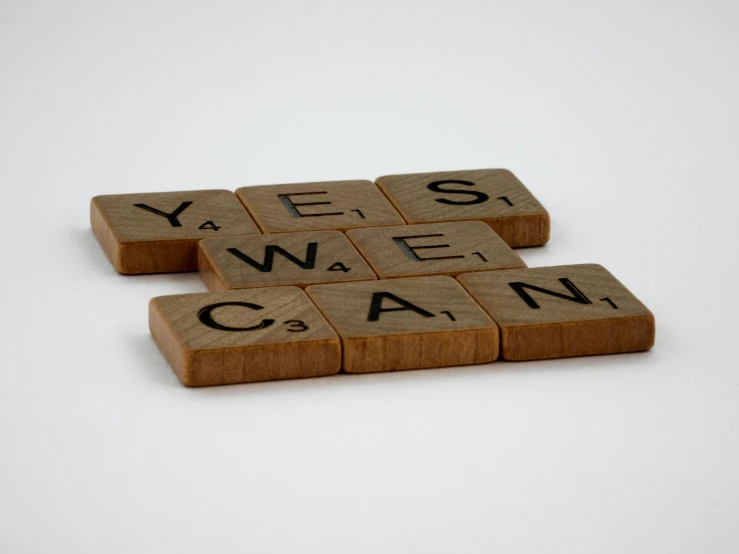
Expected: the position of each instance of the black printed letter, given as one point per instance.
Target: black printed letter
(480, 197)
(172, 218)
(376, 306)
(410, 251)
(292, 207)
(577, 295)
(206, 318)
(269, 256)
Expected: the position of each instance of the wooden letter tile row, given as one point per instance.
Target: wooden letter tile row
(319, 257)
(159, 232)
(260, 334)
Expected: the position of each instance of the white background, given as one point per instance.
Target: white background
(622, 117)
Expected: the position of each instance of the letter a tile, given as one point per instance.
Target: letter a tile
(561, 311)
(434, 249)
(159, 232)
(407, 324)
(244, 336)
(494, 196)
(337, 205)
(280, 259)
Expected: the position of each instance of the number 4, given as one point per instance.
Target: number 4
(209, 225)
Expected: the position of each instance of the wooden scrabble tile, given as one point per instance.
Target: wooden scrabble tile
(159, 232)
(434, 249)
(244, 336)
(494, 196)
(407, 324)
(568, 310)
(299, 259)
(337, 205)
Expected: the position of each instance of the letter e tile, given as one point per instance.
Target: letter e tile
(434, 249)
(337, 205)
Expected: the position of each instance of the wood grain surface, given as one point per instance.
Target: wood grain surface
(434, 249)
(494, 196)
(407, 324)
(208, 341)
(561, 311)
(337, 205)
(159, 232)
(300, 259)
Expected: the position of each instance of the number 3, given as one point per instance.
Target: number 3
(296, 325)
